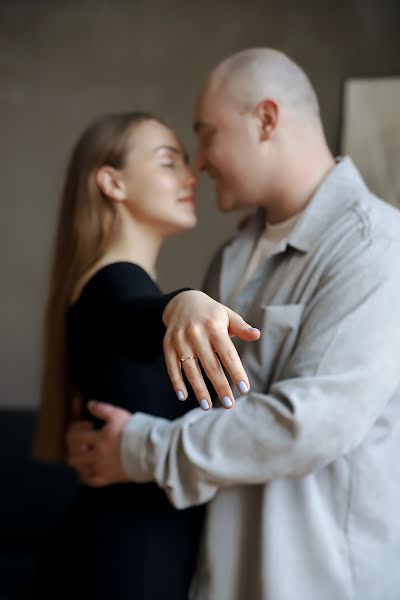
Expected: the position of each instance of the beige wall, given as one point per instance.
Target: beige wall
(63, 63)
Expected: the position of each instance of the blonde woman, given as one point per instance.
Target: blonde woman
(128, 188)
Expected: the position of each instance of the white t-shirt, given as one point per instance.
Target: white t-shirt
(267, 242)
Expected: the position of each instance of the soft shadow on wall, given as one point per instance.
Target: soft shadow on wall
(62, 64)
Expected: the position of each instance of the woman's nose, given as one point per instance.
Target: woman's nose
(191, 178)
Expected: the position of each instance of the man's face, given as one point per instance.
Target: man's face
(228, 150)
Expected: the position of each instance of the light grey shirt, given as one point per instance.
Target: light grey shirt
(303, 475)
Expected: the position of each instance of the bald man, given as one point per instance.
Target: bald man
(302, 475)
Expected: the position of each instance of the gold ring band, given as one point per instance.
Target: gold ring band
(183, 358)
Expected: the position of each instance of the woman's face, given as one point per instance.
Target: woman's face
(159, 186)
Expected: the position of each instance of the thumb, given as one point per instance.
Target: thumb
(239, 327)
(102, 410)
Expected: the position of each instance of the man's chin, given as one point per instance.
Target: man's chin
(226, 203)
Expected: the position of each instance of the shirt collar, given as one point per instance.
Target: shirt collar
(334, 195)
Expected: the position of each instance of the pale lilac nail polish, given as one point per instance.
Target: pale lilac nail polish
(242, 387)
(204, 404)
(226, 402)
(181, 395)
(253, 329)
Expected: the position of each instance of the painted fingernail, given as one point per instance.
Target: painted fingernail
(204, 404)
(243, 387)
(181, 395)
(226, 402)
(253, 329)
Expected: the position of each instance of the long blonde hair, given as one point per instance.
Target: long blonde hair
(85, 221)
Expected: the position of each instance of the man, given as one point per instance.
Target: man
(301, 476)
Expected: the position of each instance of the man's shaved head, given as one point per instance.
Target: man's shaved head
(260, 135)
(260, 73)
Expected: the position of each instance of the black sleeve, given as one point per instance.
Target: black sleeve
(144, 314)
(134, 325)
(121, 305)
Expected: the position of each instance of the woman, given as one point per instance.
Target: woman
(127, 189)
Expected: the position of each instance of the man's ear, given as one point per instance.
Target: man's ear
(268, 114)
(111, 183)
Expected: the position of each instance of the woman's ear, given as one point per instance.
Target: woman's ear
(268, 114)
(111, 183)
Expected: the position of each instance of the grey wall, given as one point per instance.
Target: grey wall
(63, 63)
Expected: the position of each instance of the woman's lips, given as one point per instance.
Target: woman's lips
(189, 199)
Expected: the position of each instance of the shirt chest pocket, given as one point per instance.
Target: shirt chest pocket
(265, 359)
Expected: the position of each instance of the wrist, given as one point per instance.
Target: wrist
(169, 309)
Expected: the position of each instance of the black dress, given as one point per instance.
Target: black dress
(124, 541)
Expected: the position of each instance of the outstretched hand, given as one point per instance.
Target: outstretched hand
(200, 328)
(96, 454)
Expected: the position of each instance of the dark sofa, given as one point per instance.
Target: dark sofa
(33, 495)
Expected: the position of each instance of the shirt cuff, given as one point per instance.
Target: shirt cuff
(136, 454)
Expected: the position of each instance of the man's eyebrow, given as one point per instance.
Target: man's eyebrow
(175, 151)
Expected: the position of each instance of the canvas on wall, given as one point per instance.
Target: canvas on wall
(371, 132)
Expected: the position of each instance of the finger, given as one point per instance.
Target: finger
(206, 343)
(82, 426)
(84, 473)
(102, 410)
(196, 380)
(97, 481)
(75, 430)
(201, 341)
(215, 373)
(81, 442)
(82, 436)
(84, 476)
(174, 369)
(79, 449)
(92, 476)
(84, 461)
(87, 477)
(230, 359)
(238, 327)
